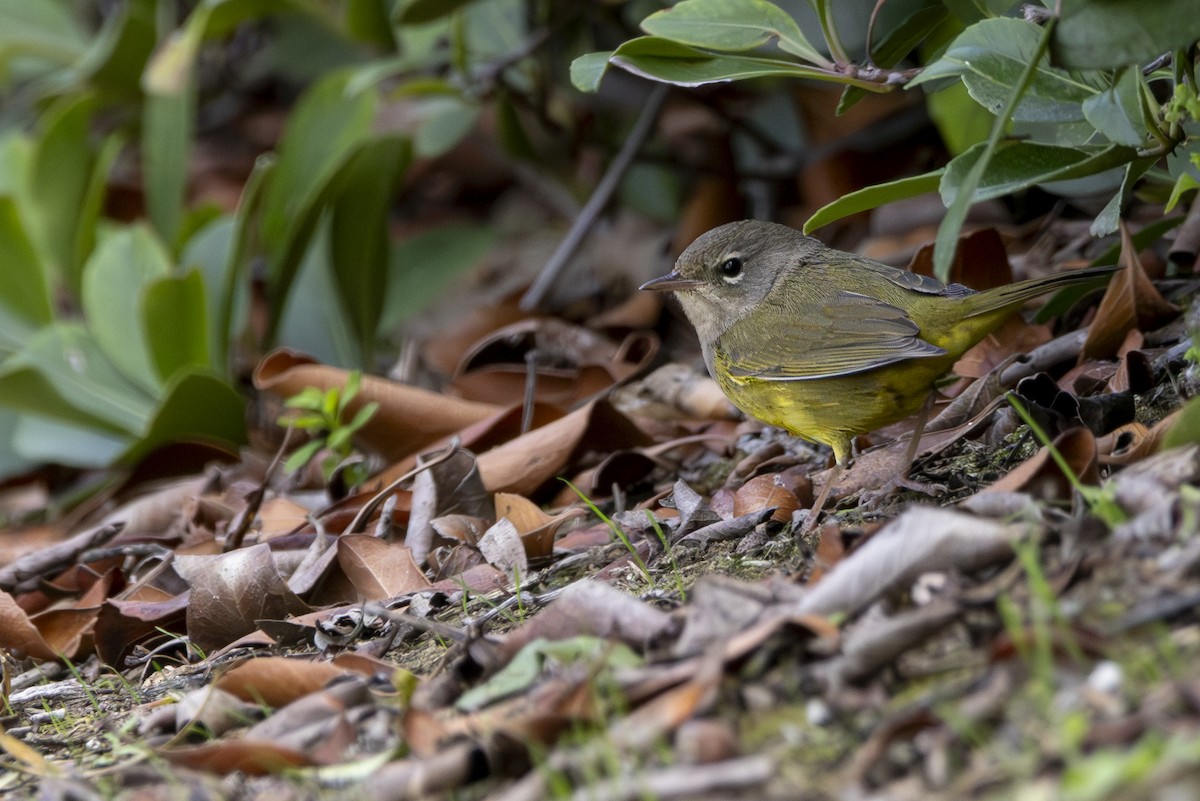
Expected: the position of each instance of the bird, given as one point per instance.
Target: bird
(826, 344)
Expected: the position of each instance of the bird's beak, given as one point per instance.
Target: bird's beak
(671, 282)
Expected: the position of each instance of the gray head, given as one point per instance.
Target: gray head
(729, 271)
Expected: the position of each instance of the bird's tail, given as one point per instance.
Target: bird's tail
(1012, 295)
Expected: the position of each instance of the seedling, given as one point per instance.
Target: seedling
(322, 414)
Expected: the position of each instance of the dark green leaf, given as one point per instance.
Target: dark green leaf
(668, 61)
(423, 266)
(175, 317)
(25, 289)
(359, 234)
(196, 407)
(872, 197)
(732, 26)
(991, 57)
(1109, 218)
(1102, 34)
(1020, 165)
(1117, 111)
(411, 12)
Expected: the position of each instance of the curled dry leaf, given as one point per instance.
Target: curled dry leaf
(524, 464)
(1132, 301)
(501, 546)
(773, 491)
(49, 635)
(230, 592)
(536, 528)
(675, 390)
(570, 363)
(408, 418)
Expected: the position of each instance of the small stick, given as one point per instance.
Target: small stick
(57, 557)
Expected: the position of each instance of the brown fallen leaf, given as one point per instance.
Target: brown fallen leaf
(275, 680)
(1131, 301)
(379, 570)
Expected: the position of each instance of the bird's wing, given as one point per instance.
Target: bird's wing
(846, 333)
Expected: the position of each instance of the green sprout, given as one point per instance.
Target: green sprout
(322, 414)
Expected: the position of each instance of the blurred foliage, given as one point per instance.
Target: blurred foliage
(1071, 97)
(130, 311)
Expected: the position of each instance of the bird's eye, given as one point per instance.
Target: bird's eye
(731, 267)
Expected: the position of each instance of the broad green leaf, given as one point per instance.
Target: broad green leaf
(57, 182)
(732, 26)
(63, 373)
(210, 251)
(991, 57)
(1186, 428)
(1020, 165)
(960, 120)
(12, 463)
(444, 122)
(1183, 184)
(359, 233)
(1102, 34)
(312, 319)
(1116, 112)
(43, 440)
(424, 266)
(113, 281)
(196, 407)
(872, 197)
(25, 289)
(946, 241)
(175, 319)
(588, 69)
(668, 61)
(369, 21)
(325, 129)
(92, 208)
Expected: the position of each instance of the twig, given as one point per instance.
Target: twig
(599, 199)
(60, 556)
(360, 520)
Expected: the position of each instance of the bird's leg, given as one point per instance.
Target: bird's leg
(901, 479)
(822, 496)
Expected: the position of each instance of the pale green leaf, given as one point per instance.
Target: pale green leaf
(732, 26)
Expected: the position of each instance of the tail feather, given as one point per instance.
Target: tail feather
(1013, 294)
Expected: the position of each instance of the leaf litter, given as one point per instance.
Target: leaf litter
(465, 626)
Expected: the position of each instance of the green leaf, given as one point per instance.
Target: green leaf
(588, 69)
(424, 265)
(196, 407)
(732, 26)
(1109, 218)
(671, 62)
(113, 281)
(302, 455)
(62, 373)
(1186, 428)
(960, 120)
(872, 197)
(44, 440)
(175, 318)
(118, 53)
(993, 55)
(1116, 111)
(359, 239)
(946, 241)
(312, 320)
(1183, 184)
(25, 289)
(325, 130)
(167, 129)
(42, 31)
(1020, 165)
(1102, 34)
(444, 121)
(210, 250)
(58, 177)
